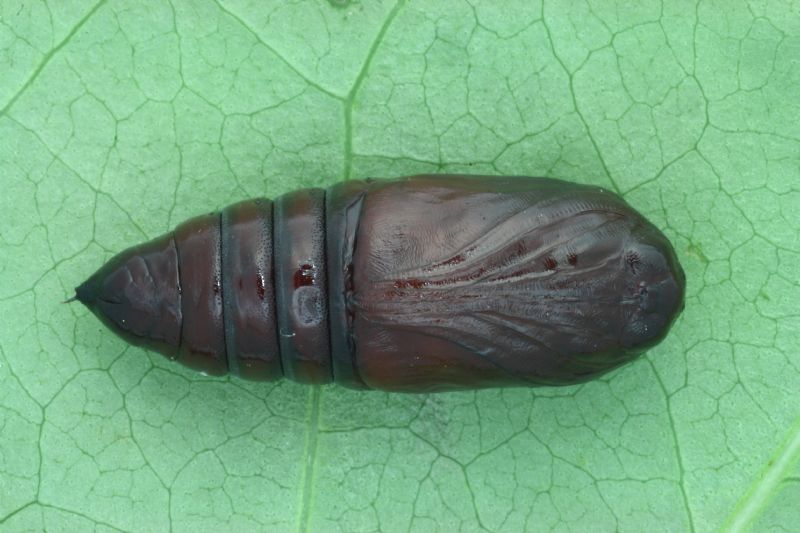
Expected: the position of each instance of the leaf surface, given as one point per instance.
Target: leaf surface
(118, 120)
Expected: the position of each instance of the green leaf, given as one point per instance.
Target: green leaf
(120, 119)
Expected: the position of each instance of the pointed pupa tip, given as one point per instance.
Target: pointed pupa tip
(85, 293)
